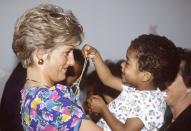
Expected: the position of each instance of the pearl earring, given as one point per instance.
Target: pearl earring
(41, 61)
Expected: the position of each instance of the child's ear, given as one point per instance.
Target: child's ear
(146, 76)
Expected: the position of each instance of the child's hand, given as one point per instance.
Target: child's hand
(89, 51)
(96, 104)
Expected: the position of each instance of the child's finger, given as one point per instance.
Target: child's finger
(85, 49)
(89, 51)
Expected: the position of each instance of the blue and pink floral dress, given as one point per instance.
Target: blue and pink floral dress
(50, 109)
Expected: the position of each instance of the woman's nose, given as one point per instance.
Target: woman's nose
(71, 60)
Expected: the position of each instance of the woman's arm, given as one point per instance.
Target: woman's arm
(88, 125)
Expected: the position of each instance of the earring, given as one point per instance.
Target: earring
(40, 62)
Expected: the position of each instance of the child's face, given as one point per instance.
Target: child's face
(130, 70)
(75, 72)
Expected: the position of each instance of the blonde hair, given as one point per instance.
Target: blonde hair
(45, 26)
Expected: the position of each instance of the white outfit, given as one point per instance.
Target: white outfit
(149, 106)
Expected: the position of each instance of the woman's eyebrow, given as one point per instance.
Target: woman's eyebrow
(70, 47)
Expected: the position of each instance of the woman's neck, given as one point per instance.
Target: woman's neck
(35, 77)
(180, 106)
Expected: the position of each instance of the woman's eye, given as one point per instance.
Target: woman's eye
(67, 53)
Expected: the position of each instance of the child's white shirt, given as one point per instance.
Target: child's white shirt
(149, 106)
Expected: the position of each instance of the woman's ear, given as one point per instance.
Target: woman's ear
(39, 56)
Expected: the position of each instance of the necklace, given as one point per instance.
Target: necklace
(35, 81)
(76, 84)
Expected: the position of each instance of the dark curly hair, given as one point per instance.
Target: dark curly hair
(157, 55)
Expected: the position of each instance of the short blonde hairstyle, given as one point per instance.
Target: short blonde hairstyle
(45, 26)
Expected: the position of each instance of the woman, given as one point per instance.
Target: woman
(179, 96)
(44, 39)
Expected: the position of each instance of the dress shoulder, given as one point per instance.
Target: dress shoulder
(50, 108)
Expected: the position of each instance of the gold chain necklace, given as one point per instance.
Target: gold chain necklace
(35, 81)
(76, 84)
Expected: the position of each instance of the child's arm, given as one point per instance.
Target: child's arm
(103, 71)
(98, 105)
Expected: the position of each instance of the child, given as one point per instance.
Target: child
(94, 86)
(152, 64)
(73, 74)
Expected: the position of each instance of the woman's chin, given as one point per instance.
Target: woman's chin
(61, 78)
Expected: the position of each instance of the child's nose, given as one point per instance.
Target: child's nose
(122, 66)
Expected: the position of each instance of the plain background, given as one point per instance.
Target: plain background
(109, 25)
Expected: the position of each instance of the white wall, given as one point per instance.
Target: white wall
(109, 25)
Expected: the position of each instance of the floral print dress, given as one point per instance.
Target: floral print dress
(50, 109)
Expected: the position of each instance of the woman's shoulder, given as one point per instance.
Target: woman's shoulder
(55, 95)
(52, 102)
(45, 92)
